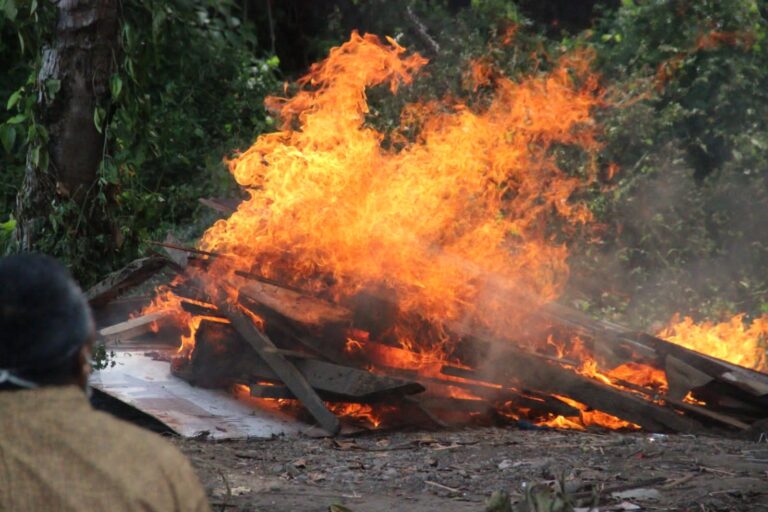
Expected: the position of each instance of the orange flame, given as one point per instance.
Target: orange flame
(449, 223)
(359, 412)
(587, 418)
(451, 215)
(735, 341)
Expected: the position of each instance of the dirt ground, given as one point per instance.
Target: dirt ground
(458, 471)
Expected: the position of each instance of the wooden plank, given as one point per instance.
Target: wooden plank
(199, 309)
(131, 328)
(130, 276)
(276, 392)
(222, 358)
(284, 369)
(179, 258)
(682, 378)
(177, 247)
(294, 305)
(627, 344)
(455, 404)
(222, 205)
(723, 419)
(271, 392)
(117, 310)
(544, 376)
(537, 402)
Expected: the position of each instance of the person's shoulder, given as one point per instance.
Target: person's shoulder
(120, 435)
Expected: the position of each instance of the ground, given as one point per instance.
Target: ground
(458, 470)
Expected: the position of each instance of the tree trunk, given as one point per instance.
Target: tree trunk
(81, 61)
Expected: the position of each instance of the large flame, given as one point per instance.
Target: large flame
(741, 343)
(451, 217)
(439, 221)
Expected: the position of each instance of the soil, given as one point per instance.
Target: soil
(458, 471)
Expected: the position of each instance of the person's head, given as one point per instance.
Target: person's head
(46, 328)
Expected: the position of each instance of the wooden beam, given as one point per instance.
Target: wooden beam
(131, 328)
(271, 392)
(627, 344)
(177, 247)
(198, 309)
(294, 305)
(682, 377)
(222, 358)
(284, 370)
(703, 412)
(529, 370)
(130, 276)
(537, 402)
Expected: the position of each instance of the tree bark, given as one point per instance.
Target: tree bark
(82, 58)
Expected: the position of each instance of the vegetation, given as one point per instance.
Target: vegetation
(681, 224)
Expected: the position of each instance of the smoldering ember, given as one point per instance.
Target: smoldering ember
(382, 316)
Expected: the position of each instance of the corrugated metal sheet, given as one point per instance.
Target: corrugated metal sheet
(147, 384)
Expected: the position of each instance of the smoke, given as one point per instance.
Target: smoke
(678, 244)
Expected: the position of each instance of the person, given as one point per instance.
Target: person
(56, 452)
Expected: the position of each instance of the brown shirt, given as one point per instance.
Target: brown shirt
(58, 454)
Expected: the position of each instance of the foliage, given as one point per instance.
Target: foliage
(681, 226)
(689, 130)
(188, 90)
(22, 33)
(102, 358)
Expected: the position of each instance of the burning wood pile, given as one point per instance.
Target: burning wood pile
(411, 275)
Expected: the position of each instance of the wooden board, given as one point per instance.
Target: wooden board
(548, 377)
(297, 306)
(222, 358)
(131, 328)
(124, 279)
(284, 370)
(626, 344)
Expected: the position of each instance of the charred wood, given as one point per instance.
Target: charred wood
(285, 371)
(124, 279)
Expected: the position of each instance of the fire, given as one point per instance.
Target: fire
(624, 375)
(451, 216)
(449, 221)
(359, 412)
(640, 375)
(362, 413)
(587, 418)
(745, 344)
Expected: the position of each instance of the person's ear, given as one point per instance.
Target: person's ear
(84, 365)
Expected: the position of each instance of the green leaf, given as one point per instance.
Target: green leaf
(41, 132)
(10, 10)
(33, 7)
(52, 86)
(98, 118)
(109, 172)
(8, 226)
(129, 69)
(115, 86)
(17, 119)
(14, 99)
(7, 137)
(34, 156)
(273, 62)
